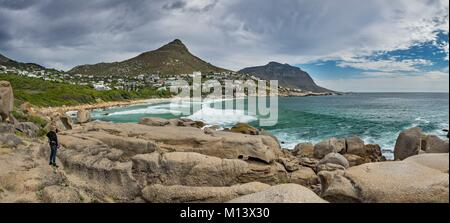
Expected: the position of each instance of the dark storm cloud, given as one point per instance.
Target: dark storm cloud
(174, 5)
(187, 6)
(56, 23)
(17, 4)
(65, 33)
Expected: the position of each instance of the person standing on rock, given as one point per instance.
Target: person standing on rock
(54, 145)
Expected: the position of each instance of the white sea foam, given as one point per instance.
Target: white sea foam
(221, 117)
(148, 110)
(72, 113)
(420, 120)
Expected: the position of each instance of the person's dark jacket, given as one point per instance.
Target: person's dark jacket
(52, 138)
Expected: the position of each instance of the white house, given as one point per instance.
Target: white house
(101, 87)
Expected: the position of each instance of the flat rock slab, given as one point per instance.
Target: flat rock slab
(184, 194)
(189, 139)
(402, 182)
(438, 161)
(283, 193)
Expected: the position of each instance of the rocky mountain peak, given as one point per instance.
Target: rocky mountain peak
(175, 45)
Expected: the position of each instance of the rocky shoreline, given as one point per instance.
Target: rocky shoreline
(167, 161)
(99, 105)
(110, 104)
(180, 160)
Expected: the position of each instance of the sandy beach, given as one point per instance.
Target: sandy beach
(100, 105)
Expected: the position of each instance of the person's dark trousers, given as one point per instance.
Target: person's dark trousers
(53, 150)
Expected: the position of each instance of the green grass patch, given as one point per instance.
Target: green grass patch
(47, 93)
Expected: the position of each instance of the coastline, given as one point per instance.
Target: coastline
(147, 161)
(139, 162)
(99, 105)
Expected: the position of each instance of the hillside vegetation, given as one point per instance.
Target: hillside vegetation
(46, 93)
(170, 59)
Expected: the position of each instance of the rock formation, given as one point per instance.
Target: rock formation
(438, 161)
(157, 193)
(332, 145)
(408, 143)
(83, 116)
(283, 193)
(434, 144)
(6, 101)
(399, 182)
(412, 141)
(172, 162)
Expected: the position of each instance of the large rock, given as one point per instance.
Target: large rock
(244, 128)
(369, 152)
(59, 194)
(334, 158)
(355, 160)
(62, 122)
(6, 100)
(304, 150)
(189, 139)
(10, 140)
(190, 123)
(28, 128)
(185, 194)
(83, 116)
(117, 160)
(332, 145)
(290, 164)
(408, 143)
(99, 167)
(283, 193)
(7, 128)
(154, 121)
(387, 182)
(194, 169)
(329, 167)
(130, 146)
(26, 107)
(354, 145)
(336, 188)
(372, 153)
(308, 162)
(433, 160)
(434, 144)
(304, 176)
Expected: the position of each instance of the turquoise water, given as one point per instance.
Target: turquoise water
(376, 117)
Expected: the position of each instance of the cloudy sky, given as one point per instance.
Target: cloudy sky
(347, 45)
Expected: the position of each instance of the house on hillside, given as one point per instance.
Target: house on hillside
(100, 86)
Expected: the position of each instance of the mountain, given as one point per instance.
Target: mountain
(287, 76)
(5, 61)
(172, 58)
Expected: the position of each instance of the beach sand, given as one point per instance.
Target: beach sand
(100, 105)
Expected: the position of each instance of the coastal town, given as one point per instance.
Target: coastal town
(135, 83)
(122, 82)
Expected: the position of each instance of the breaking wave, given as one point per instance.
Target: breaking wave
(222, 117)
(148, 110)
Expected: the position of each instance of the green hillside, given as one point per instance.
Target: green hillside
(5, 61)
(172, 58)
(46, 93)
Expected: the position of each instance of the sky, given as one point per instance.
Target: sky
(345, 45)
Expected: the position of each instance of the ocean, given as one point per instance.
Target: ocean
(377, 118)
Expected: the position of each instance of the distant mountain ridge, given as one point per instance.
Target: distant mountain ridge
(287, 76)
(172, 58)
(5, 61)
